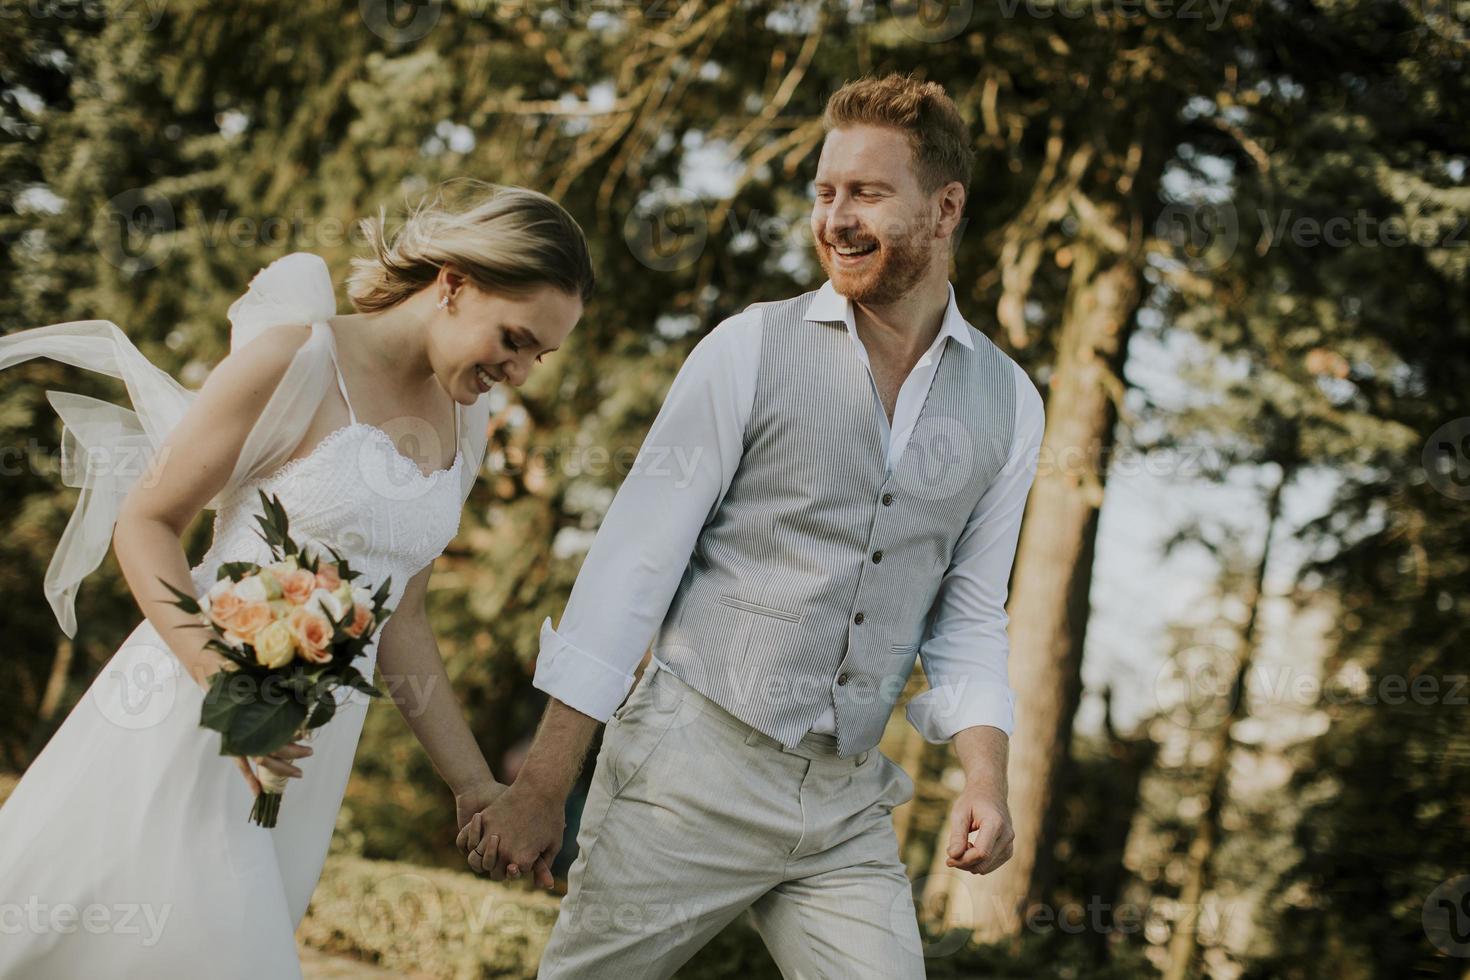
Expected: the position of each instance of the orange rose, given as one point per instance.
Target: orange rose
(223, 608)
(327, 577)
(362, 617)
(313, 634)
(297, 586)
(251, 618)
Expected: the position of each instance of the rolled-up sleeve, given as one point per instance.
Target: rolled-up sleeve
(965, 652)
(640, 553)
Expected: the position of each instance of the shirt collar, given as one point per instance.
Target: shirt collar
(830, 306)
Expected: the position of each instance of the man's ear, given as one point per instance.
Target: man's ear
(951, 209)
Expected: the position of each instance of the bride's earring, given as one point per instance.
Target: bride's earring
(443, 302)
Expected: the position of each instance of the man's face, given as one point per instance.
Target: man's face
(873, 225)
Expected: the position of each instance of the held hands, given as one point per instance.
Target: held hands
(473, 799)
(981, 811)
(518, 829)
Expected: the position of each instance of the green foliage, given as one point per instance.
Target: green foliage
(148, 170)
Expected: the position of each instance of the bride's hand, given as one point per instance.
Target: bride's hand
(472, 799)
(202, 671)
(278, 762)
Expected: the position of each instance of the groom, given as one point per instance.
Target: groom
(862, 460)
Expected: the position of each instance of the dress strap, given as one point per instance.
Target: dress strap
(341, 384)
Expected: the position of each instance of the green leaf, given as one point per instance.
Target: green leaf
(352, 677)
(185, 601)
(261, 727)
(275, 526)
(235, 570)
(227, 692)
(239, 657)
(325, 708)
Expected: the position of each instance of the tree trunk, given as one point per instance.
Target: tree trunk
(51, 699)
(1050, 585)
(1133, 756)
(1184, 942)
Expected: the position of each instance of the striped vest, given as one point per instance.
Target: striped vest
(813, 583)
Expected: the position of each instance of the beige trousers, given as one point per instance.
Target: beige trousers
(694, 817)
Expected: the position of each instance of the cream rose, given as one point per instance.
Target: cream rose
(275, 645)
(270, 583)
(328, 604)
(280, 569)
(251, 589)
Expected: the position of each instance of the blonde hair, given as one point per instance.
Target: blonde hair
(504, 239)
(923, 110)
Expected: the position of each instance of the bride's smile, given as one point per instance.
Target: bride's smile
(464, 337)
(460, 298)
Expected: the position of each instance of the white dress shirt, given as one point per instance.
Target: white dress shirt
(675, 487)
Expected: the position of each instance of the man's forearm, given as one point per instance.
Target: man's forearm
(984, 752)
(558, 751)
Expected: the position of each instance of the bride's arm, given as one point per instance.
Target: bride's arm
(190, 467)
(413, 672)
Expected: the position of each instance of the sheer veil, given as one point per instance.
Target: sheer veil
(106, 448)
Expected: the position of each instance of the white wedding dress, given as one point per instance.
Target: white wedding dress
(126, 849)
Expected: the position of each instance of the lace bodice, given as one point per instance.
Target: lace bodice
(355, 492)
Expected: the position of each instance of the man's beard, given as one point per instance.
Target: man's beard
(901, 264)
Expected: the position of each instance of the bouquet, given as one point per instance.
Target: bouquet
(290, 631)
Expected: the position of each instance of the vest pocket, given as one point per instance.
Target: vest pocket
(902, 649)
(759, 609)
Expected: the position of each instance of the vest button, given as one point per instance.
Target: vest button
(877, 556)
(842, 679)
(859, 619)
(887, 499)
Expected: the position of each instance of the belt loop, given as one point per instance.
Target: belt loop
(752, 737)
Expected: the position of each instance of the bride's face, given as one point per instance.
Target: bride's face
(486, 338)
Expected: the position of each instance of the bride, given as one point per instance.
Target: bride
(126, 848)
